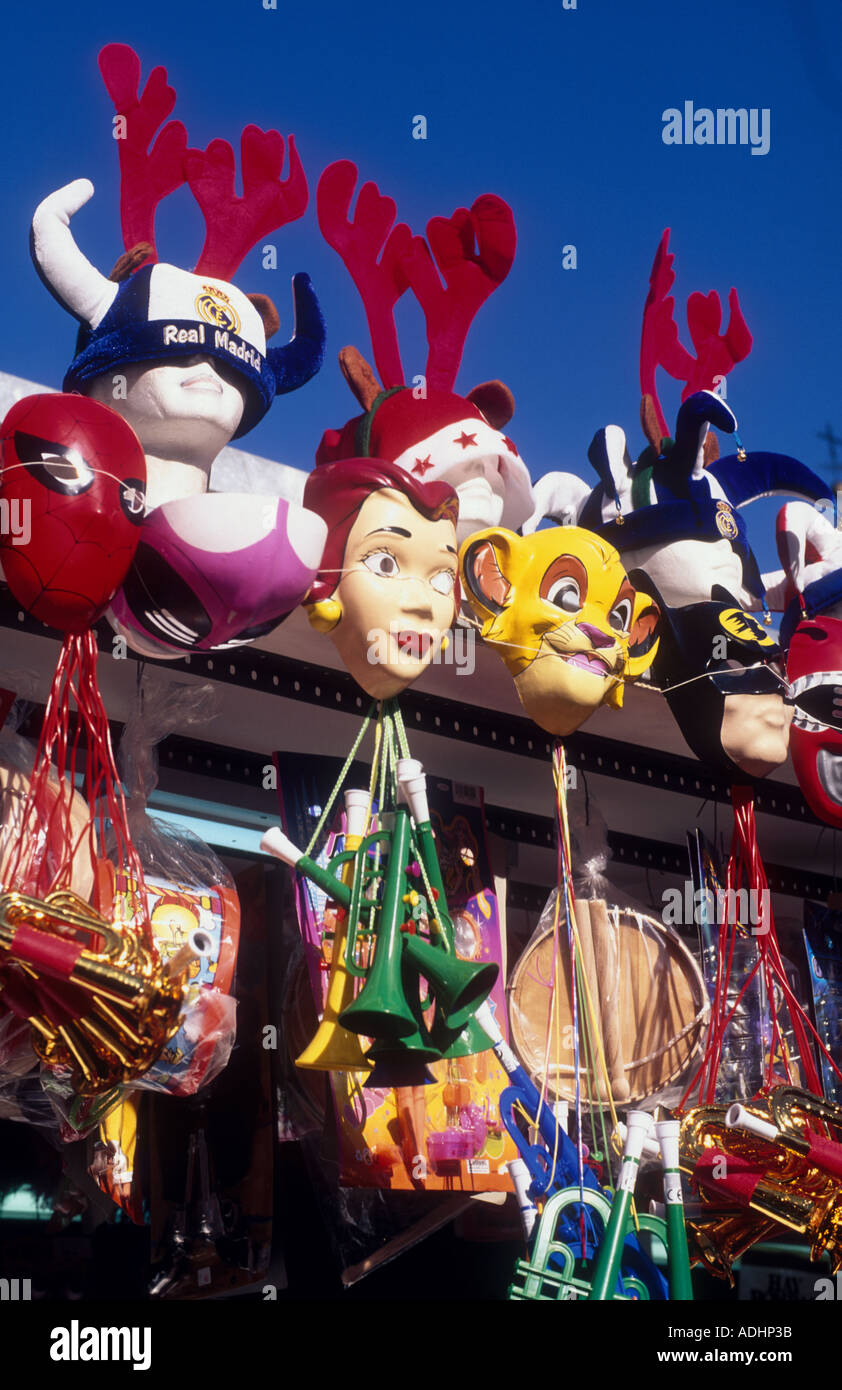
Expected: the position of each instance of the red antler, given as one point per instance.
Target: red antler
(380, 282)
(660, 346)
(474, 252)
(234, 225)
(146, 176)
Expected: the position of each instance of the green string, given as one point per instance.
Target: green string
(341, 778)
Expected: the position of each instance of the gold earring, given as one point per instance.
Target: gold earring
(445, 642)
(325, 614)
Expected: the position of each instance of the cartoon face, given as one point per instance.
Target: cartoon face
(721, 673)
(814, 669)
(559, 607)
(396, 593)
(185, 407)
(73, 480)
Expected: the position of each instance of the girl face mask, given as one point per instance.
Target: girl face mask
(386, 592)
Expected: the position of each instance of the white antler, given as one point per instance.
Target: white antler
(67, 274)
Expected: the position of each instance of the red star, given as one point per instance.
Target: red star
(510, 446)
(465, 439)
(422, 466)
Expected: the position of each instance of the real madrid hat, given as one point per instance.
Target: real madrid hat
(163, 312)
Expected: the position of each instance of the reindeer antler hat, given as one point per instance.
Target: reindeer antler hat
(679, 489)
(146, 310)
(431, 430)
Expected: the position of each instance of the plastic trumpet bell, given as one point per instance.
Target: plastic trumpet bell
(459, 986)
(380, 1010)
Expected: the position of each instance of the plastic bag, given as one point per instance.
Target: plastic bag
(190, 896)
(640, 1010)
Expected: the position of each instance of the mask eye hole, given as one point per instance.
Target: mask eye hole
(564, 593)
(381, 563)
(59, 467)
(443, 582)
(620, 616)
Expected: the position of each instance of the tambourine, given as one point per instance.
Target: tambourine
(648, 996)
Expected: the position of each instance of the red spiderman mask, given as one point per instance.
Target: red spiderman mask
(72, 485)
(814, 670)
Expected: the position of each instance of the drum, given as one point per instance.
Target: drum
(651, 1006)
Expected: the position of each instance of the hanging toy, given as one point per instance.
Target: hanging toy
(810, 591)
(675, 511)
(74, 474)
(560, 611)
(386, 590)
(189, 352)
(426, 429)
(100, 1002)
(396, 937)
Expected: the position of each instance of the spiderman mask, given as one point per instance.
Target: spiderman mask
(72, 499)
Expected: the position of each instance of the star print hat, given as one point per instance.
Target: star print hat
(435, 438)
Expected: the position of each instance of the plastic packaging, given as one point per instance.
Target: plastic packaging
(640, 992)
(190, 895)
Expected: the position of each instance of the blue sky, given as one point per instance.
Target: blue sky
(558, 111)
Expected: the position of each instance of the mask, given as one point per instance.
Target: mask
(72, 489)
(814, 669)
(560, 610)
(721, 674)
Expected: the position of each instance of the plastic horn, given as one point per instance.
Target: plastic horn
(276, 843)
(333, 1047)
(458, 986)
(107, 1005)
(413, 788)
(610, 1253)
(198, 944)
(680, 1281)
(820, 1153)
(650, 1148)
(381, 1010)
(521, 1178)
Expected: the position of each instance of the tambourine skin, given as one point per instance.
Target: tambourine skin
(655, 987)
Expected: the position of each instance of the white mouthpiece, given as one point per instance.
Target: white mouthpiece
(276, 843)
(521, 1177)
(561, 1110)
(487, 1023)
(650, 1148)
(413, 785)
(738, 1116)
(356, 812)
(667, 1132)
(657, 1209)
(638, 1130)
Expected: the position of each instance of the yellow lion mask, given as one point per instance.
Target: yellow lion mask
(569, 625)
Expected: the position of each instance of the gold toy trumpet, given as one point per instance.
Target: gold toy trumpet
(99, 999)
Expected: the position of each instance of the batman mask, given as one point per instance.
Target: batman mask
(722, 676)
